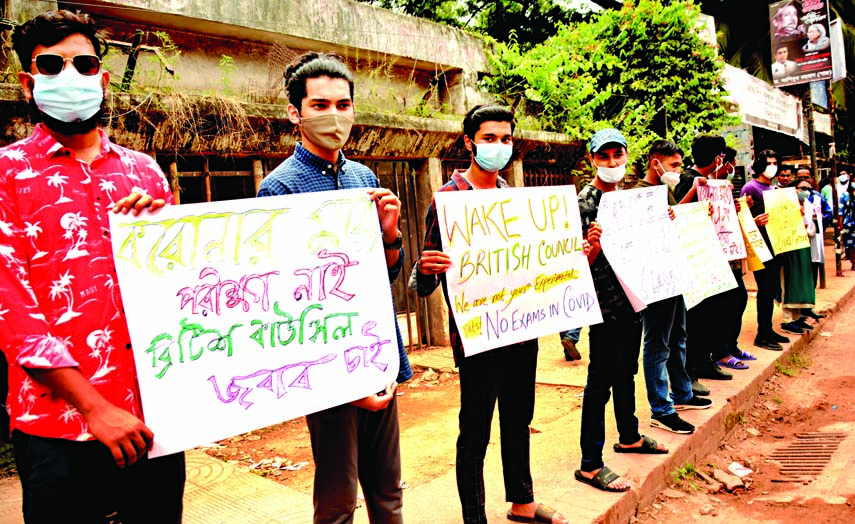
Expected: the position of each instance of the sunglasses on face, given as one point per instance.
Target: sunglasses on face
(803, 188)
(50, 64)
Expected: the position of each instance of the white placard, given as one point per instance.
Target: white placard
(518, 271)
(709, 271)
(641, 244)
(246, 313)
(720, 196)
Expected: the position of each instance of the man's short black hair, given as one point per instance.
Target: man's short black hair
(51, 28)
(705, 149)
(664, 148)
(486, 113)
(729, 155)
(760, 162)
(313, 65)
(785, 167)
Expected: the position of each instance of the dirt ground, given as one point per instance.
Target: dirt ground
(811, 392)
(427, 408)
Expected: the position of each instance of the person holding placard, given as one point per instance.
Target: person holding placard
(506, 374)
(768, 279)
(614, 345)
(820, 214)
(357, 442)
(81, 446)
(799, 291)
(705, 344)
(784, 177)
(664, 321)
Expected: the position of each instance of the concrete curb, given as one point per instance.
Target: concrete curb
(710, 434)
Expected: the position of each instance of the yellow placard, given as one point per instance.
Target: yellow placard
(786, 227)
(755, 246)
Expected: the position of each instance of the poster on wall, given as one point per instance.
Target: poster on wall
(246, 313)
(801, 42)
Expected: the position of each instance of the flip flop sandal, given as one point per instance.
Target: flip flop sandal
(732, 363)
(744, 355)
(602, 480)
(543, 513)
(648, 447)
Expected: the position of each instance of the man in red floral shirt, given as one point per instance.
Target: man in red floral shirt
(79, 440)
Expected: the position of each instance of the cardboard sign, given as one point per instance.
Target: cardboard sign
(249, 312)
(786, 227)
(709, 272)
(756, 248)
(641, 244)
(518, 271)
(719, 194)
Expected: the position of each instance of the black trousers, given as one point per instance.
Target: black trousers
(350, 445)
(768, 287)
(614, 348)
(504, 375)
(69, 481)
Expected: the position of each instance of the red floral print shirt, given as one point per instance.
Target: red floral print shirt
(59, 299)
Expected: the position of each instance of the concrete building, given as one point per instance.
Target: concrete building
(198, 85)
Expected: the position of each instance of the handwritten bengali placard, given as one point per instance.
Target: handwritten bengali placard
(249, 312)
(755, 246)
(786, 227)
(720, 195)
(517, 271)
(709, 271)
(640, 242)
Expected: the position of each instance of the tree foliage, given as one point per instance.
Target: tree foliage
(642, 69)
(532, 21)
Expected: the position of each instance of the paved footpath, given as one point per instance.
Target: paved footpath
(217, 492)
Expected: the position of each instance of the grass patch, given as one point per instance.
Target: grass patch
(778, 400)
(683, 473)
(793, 363)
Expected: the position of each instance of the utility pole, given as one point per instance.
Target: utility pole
(838, 240)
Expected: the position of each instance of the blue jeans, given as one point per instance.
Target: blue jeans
(573, 335)
(665, 355)
(68, 481)
(614, 350)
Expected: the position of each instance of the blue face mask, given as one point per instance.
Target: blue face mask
(492, 157)
(68, 96)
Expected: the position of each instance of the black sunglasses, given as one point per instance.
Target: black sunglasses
(803, 188)
(50, 64)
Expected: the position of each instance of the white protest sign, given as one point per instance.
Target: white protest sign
(517, 267)
(719, 194)
(755, 246)
(249, 312)
(641, 244)
(709, 271)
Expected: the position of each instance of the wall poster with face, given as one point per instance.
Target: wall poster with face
(801, 42)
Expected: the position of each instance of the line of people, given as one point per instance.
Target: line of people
(80, 441)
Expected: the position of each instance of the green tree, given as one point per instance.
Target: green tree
(531, 21)
(642, 69)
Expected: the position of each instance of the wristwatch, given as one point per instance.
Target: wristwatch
(395, 244)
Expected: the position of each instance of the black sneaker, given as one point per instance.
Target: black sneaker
(792, 327)
(694, 403)
(813, 314)
(803, 323)
(699, 389)
(777, 337)
(711, 371)
(766, 343)
(672, 423)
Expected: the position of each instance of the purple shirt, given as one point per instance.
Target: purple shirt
(755, 190)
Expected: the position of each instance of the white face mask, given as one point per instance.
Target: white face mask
(669, 178)
(770, 171)
(611, 175)
(68, 96)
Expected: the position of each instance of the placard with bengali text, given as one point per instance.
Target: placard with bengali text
(720, 195)
(755, 245)
(246, 313)
(517, 271)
